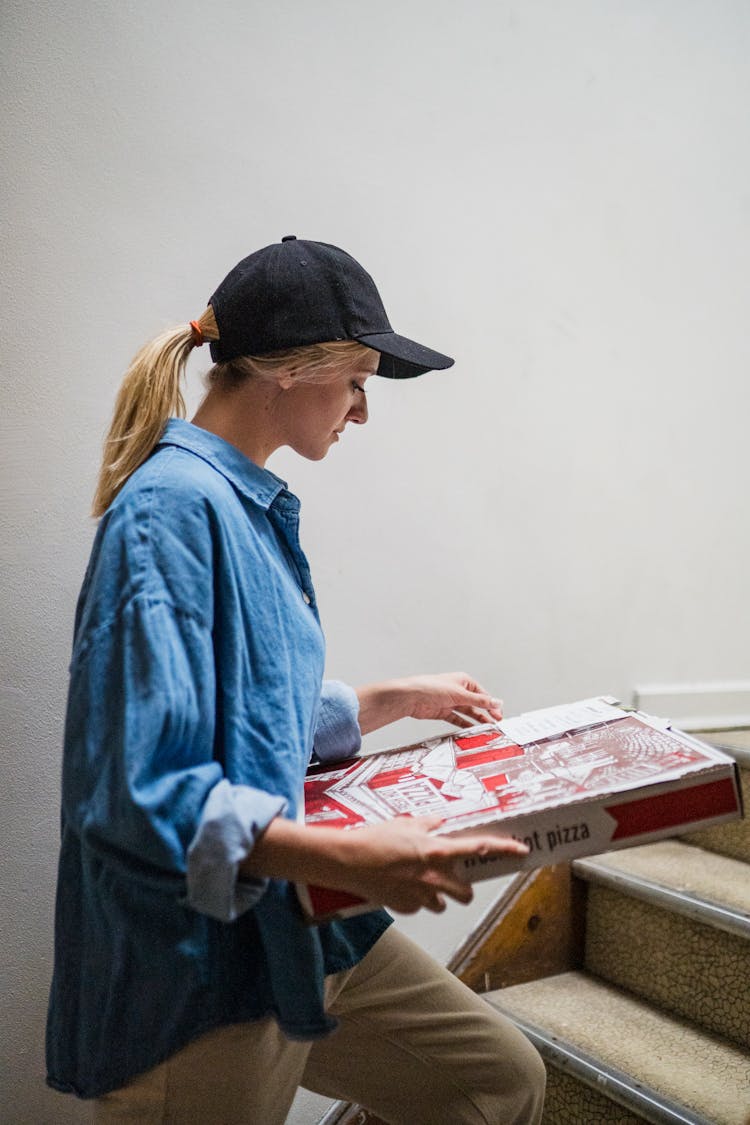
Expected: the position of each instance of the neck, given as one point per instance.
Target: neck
(245, 416)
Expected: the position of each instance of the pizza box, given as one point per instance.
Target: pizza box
(569, 781)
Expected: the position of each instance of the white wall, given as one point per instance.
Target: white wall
(556, 193)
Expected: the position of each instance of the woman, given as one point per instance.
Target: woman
(187, 987)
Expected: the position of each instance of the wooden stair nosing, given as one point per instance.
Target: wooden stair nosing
(617, 1085)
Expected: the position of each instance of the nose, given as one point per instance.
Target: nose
(358, 411)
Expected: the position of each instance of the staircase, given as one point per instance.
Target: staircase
(630, 972)
(655, 1024)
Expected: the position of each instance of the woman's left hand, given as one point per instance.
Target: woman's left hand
(453, 697)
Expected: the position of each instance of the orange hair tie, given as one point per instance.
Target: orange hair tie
(198, 337)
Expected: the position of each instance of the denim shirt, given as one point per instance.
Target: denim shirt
(195, 701)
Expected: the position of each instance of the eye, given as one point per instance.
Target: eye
(358, 387)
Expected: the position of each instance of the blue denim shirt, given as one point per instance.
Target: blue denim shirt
(195, 700)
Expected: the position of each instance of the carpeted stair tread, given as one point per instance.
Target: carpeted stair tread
(730, 739)
(682, 869)
(706, 1074)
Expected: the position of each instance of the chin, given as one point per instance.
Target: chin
(313, 454)
(314, 451)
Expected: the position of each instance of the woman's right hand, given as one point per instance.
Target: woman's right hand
(401, 863)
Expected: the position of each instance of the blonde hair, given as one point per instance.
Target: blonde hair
(307, 363)
(150, 393)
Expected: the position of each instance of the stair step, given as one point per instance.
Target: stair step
(736, 742)
(705, 886)
(733, 838)
(622, 1059)
(642, 933)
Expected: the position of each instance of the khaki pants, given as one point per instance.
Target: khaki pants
(413, 1044)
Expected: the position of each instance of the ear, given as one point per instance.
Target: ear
(287, 378)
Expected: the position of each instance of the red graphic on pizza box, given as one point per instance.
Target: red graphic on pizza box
(461, 777)
(444, 777)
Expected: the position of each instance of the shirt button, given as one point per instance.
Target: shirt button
(306, 598)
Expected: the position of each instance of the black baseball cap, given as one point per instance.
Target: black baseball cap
(297, 292)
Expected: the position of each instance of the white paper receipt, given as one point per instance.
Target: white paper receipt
(536, 725)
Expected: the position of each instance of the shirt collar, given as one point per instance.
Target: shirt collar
(259, 485)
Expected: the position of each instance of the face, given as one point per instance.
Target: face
(316, 412)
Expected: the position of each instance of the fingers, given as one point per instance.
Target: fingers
(441, 876)
(469, 716)
(498, 845)
(440, 847)
(477, 701)
(462, 720)
(458, 890)
(431, 895)
(460, 847)
(485, 705)
(470, 685)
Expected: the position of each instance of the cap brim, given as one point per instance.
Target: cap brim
(401, 358)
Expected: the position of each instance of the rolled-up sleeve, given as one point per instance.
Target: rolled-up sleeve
(234, 816)
(337, 733)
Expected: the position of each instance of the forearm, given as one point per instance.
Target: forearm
(288, 850)
(384, 703)
(452, 697)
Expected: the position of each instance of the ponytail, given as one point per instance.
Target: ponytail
(149, 396)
